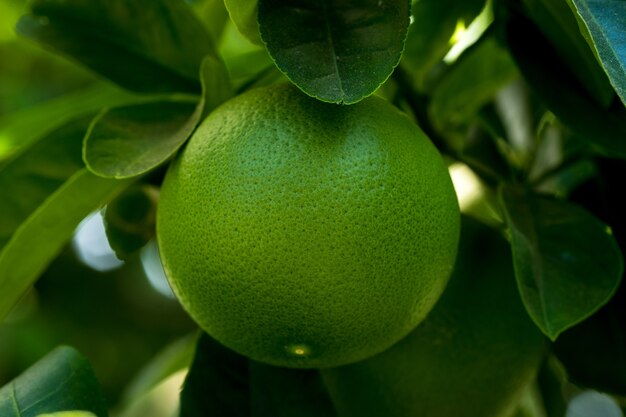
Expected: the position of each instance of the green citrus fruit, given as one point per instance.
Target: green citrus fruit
(307, 234)
(473, 356)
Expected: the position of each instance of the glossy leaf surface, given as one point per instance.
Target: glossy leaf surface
(605, 21)
(63, 380)
(567, 263)
(338, 51)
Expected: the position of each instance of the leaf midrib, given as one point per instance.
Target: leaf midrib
(331, 43)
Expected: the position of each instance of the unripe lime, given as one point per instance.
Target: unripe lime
(473, 356)
(307, 234)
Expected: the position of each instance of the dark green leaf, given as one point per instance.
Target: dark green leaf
(604, 21)
(129, 141)
(63, 380)
(244, 15)
(69, 414)
(603, 129)
(224, 383)
(338, 51)
(558, 23)
(130, 219)
(567, 263)
(29, 178)
(473, 81)
(434, 23)
(217, 383)
(550, 381)
(282, 392)
(44, 233)
(164, 55)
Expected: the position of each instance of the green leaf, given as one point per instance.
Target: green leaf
(164, 55)
(223, 383)
(131, 140)
(173, 358)
(21, 128)
(44, 233)
(434, 23)
(605, 22)
(244, 15)
(69, 414)
(603, 129)
(282, 392)
(214, 15)
(567, 263)
(338, 51)
(29, 178)
(63, 380)
(217, 383)
(130, 219)
(472, 82)
(559, 25)
(216, 85)
(128, 141)
(550, 382)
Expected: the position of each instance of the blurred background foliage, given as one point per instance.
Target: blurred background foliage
(107, 309)
(121, 315)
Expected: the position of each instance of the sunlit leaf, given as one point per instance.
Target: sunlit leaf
(430, 33)
(567, 262)
(44, 233)
(63, 380)
(214, 15)
(244, 14)
(338, 51)
(605, 23)
(164, 56)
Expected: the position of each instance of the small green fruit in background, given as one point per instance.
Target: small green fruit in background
(473, 355)
(306, 234)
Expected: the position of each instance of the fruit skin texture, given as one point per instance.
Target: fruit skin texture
(473, 355)
(306, 234)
